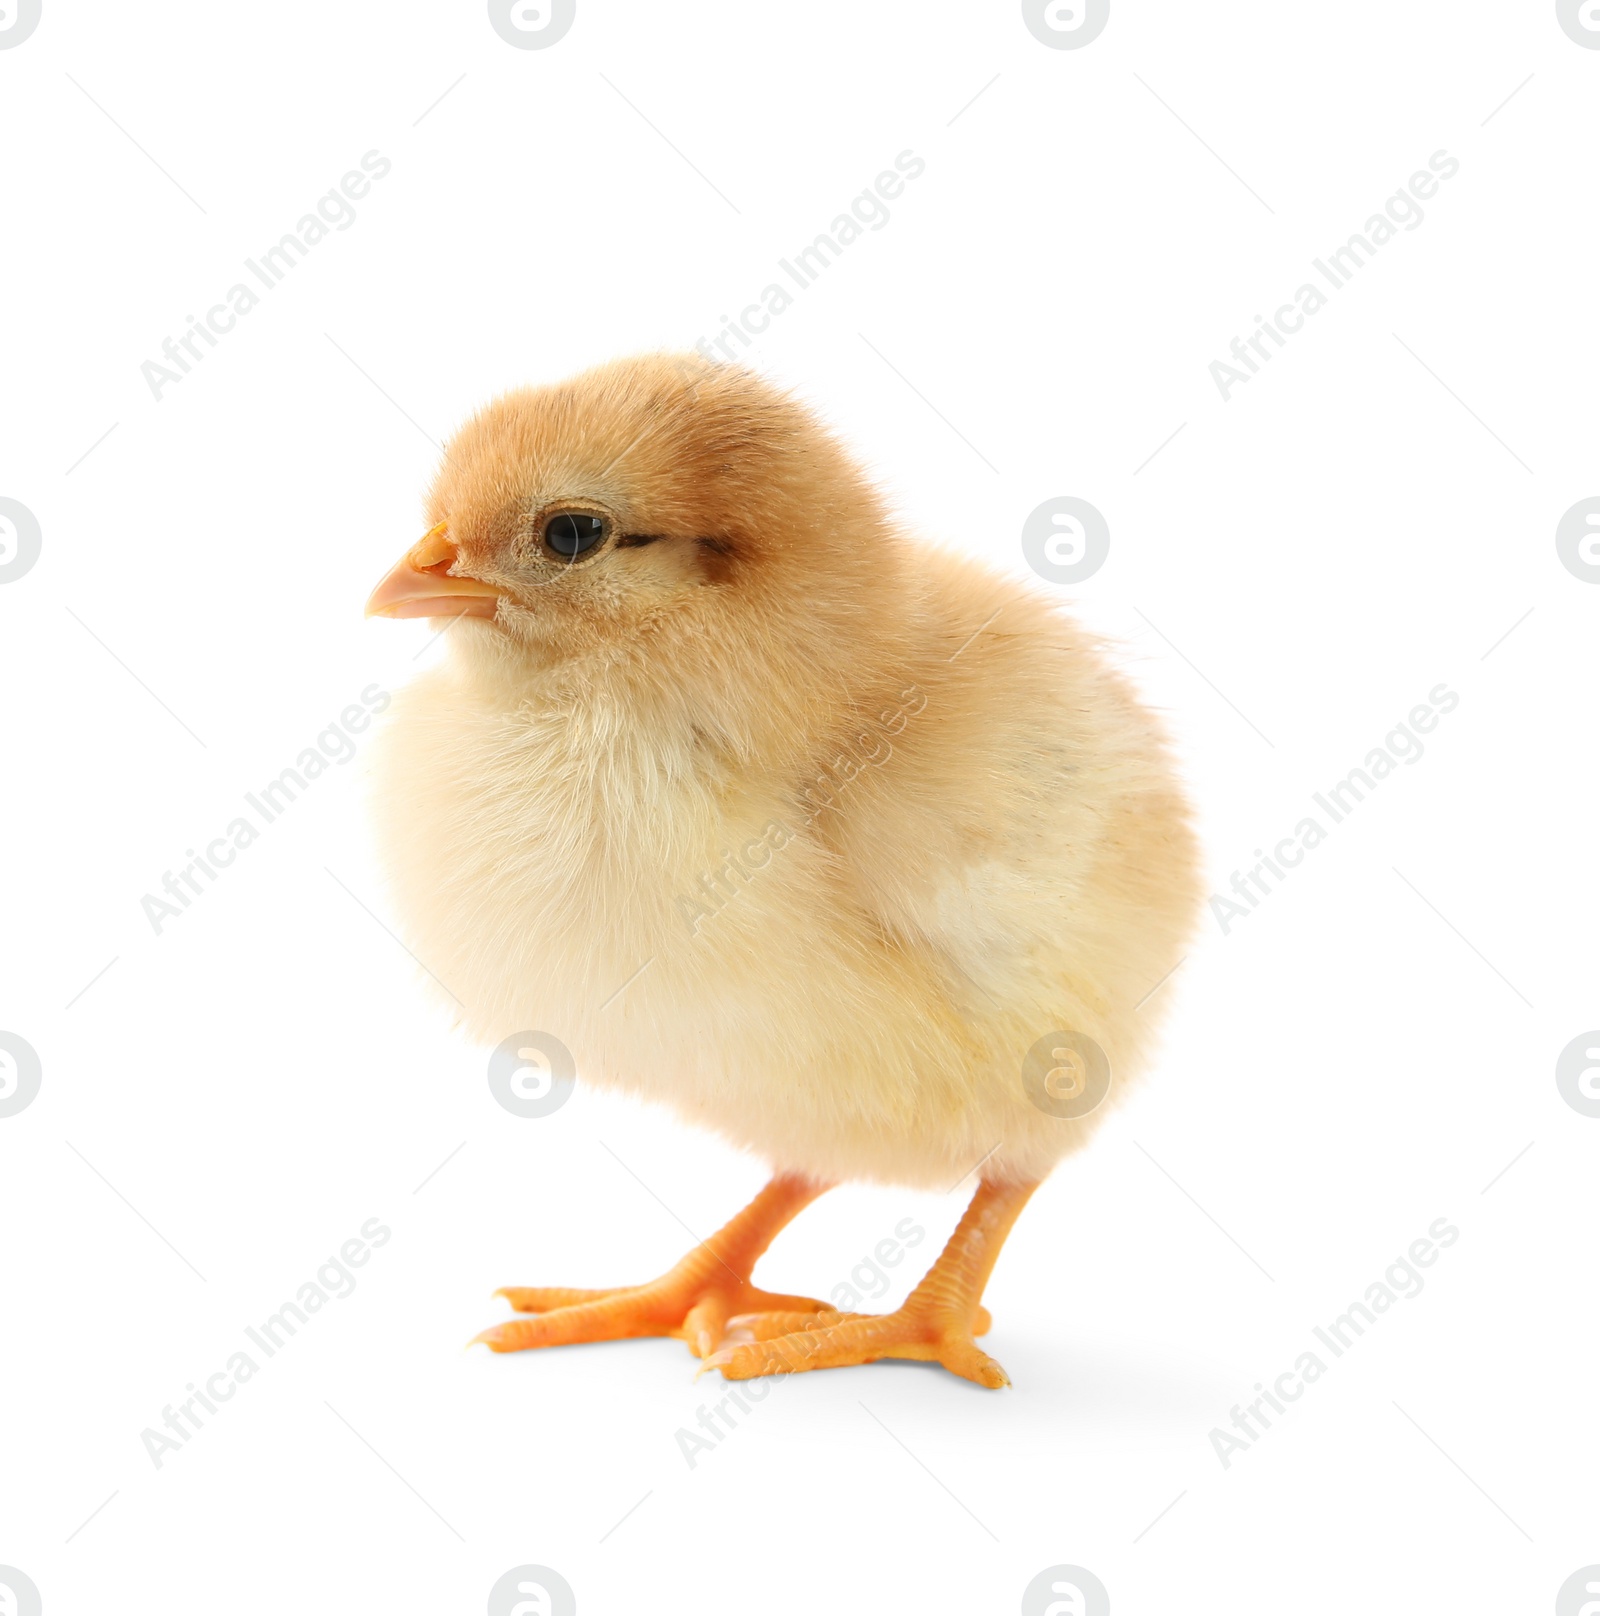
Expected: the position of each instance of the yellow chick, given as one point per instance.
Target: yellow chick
(849, 849)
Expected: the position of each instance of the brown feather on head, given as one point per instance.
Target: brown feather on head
(657, 508)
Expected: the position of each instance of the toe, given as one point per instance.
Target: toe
(705, 1324)
(854, 1339)
(973, 1363)
(544, 1298)
(497, 1338)
(620, 1317)
(746, 1327)
(748, 1361)
(789, 1343)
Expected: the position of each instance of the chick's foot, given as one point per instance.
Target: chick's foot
(693, 1300)
(906, 1333)
(937, 1322)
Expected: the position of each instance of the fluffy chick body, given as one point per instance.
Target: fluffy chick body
(1006, 851)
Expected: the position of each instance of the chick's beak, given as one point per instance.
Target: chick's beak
(421, 585)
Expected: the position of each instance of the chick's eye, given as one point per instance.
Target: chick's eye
(573, 533)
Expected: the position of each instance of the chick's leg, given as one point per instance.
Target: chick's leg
(693, 1300)
(937, 1321)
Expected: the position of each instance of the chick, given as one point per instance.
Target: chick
(805, 830)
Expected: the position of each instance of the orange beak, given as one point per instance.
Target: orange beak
(421, 585)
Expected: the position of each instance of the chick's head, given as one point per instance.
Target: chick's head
(657, 502)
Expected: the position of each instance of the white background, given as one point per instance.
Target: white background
(1372, 515)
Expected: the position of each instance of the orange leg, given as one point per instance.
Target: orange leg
(693, 1300)
(937, 1321)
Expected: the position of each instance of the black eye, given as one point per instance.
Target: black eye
(572, 534)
